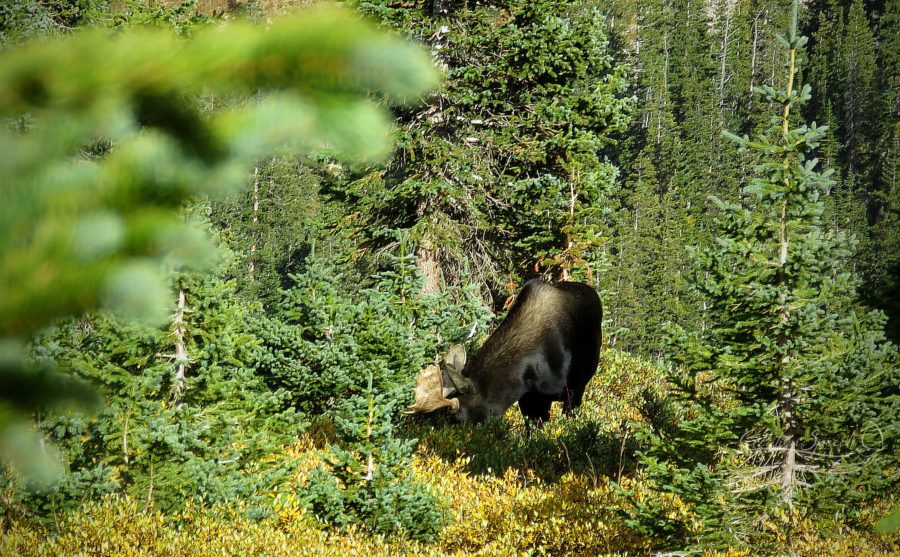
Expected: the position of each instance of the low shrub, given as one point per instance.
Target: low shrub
(515, 501)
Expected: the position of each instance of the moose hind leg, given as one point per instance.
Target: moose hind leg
(535, 406)
(584, 366)
(572, 399)
(582, 373)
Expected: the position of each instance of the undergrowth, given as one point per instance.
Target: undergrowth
(557, 490)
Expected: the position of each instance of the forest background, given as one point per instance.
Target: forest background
(579, 140)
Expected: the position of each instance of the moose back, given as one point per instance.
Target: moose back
(546, 350)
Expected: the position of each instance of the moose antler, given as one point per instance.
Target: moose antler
(430, 394)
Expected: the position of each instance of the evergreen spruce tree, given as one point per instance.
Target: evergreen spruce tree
(187, 416)
(860, 118)
(102, 146)
(645, 277)
(788, 390)
(506, 171)
(887, 295)
(327, 338)
(886, 279)
(349, 356)
(271, 225)
(367, 479)
(647, 274)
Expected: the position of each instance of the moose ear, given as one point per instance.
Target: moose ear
(456, 358)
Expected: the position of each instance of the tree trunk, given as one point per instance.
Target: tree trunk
(787, 402)
(723, 66)
(253, 232)
(429, 267)
(125, 439)
(181, 358)
(753, 56)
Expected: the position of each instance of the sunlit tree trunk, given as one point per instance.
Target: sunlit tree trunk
(254, 230)
(181, 358)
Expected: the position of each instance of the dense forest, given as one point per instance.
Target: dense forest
(232, 233)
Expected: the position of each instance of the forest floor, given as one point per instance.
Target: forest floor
(558, 491)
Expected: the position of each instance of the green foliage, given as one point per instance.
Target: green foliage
(887, 242)
(368, 479)
(330, 335)
(321, 317)
(176, 152)
(182, 17)
(324, 343)
(693, 69)
(890, 523)
(787, 392)
(853, 54)
(25, 19)
(272, 225)
(507, 168)
(22, 20)
(211, 438)
(106, 148)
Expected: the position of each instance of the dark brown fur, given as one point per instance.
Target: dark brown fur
(526, 358)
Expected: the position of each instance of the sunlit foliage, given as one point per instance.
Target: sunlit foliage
(102, 145)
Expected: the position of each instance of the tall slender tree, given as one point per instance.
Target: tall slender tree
(788, 390)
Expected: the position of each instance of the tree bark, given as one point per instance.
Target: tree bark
(253, 232)
(429, 267)
(181, 358)
(125, 439)
(753, 55)
(723, 66)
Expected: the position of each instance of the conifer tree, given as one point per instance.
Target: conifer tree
(885, 281)
(102, 145)
(272, 224)
(887, 295)
(860, 98)
(647, 274)
(787, 391)
(506, 170)
(196, 422)
(368, 480)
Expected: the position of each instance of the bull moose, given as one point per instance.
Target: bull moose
(546, 349)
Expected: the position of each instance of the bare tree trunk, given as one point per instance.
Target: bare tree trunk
(252, 270)
(370, 460)
(570, 243)
(753, 53)
(789, 473)
(726, 35)
(125, 439)
(181, 358)
(150, 487)
(429, 267)
(665, 91)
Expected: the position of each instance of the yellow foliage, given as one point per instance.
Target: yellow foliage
(504, 516)
(518, 513)
(516, 510)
